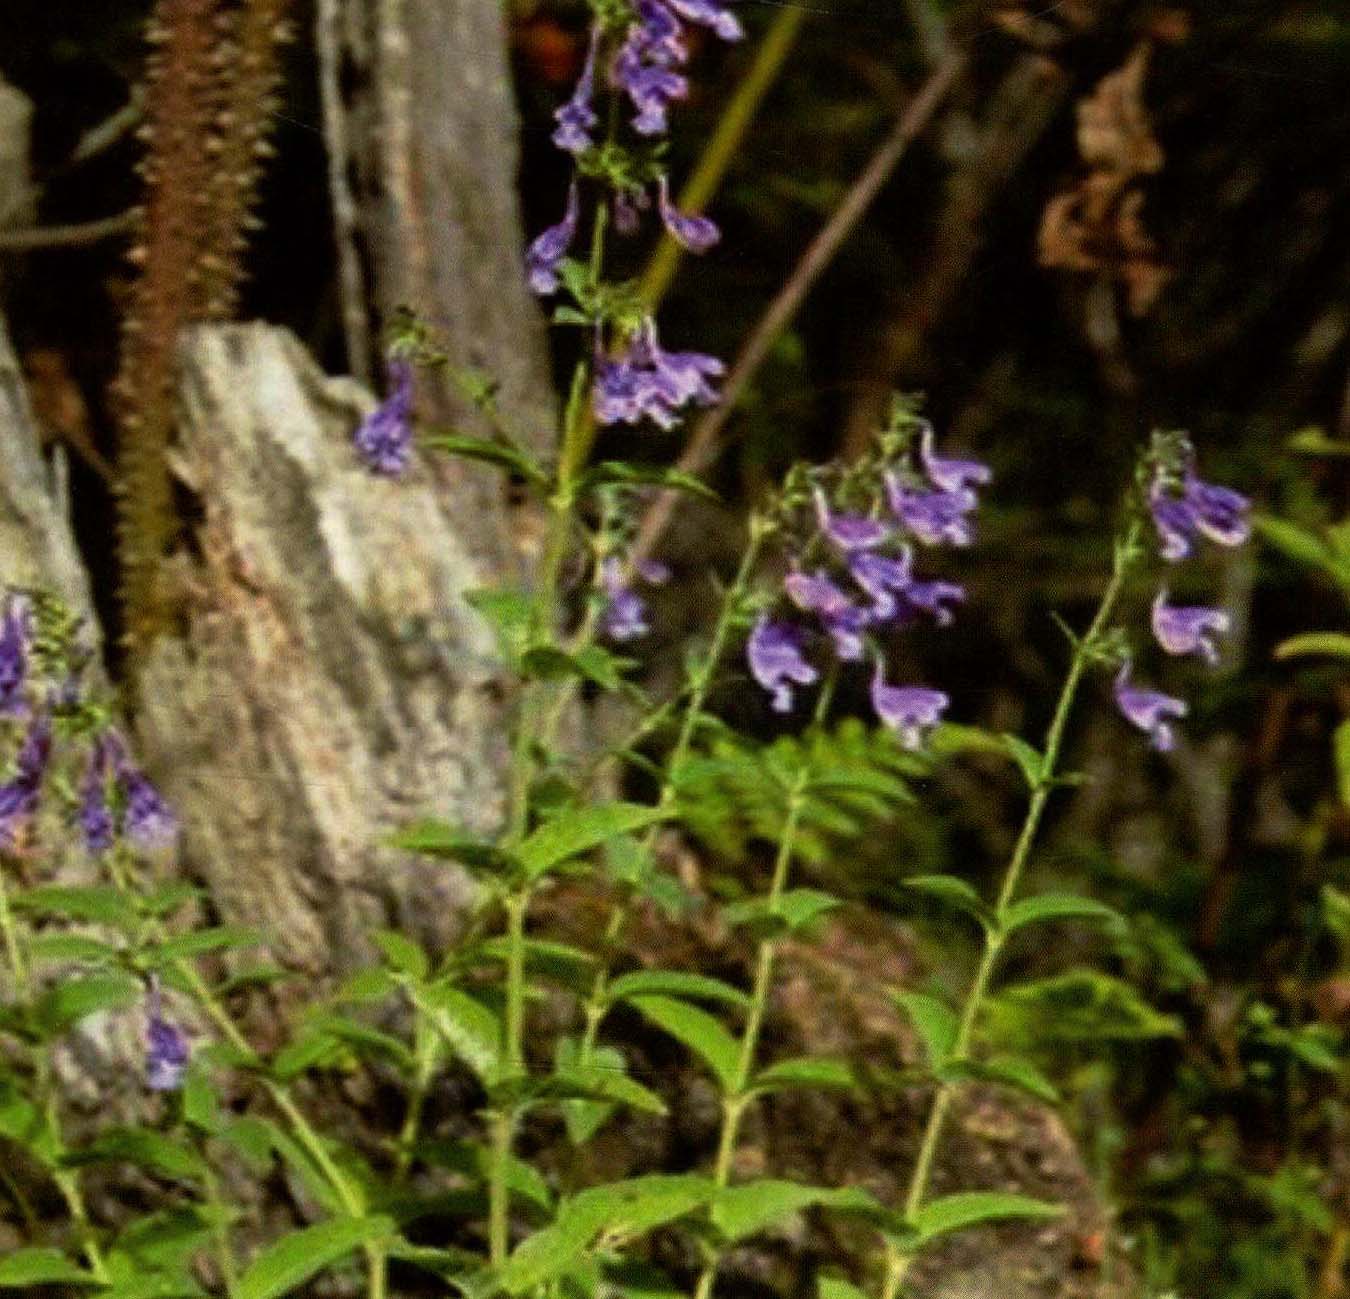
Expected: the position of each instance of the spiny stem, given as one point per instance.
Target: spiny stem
(898, 1261)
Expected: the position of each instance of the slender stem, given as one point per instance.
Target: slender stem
(594, 1006)
(13, 948)
(897, 1259)
(427, 1057)
(220, 1233)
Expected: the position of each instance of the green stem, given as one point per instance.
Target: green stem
(220, 1233)
(595, 1004)
(13, 949)
(427, 1057)
(898, 1261)
(504, 1121)
(725, 145)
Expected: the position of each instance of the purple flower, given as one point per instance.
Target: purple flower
(167, 1049)
(1188, 629)
(850, 532)
(840, 617)
(935, 598)
(19, 797)
(696, 233)
(1149, 710)
(15, 630)
(577, 117)
(710, 13)
(934, 517)
(624, 616)
(883, 579)
(643, 67)
(628, 206)
(774, 652)
(547, 251)
(649, 382)
(1199, 508)
(911, 711)
(149, 822)
(950, 475)
(384, 438)
(96, 818)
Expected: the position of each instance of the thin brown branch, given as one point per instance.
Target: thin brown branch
(67, 236)
(703, 444)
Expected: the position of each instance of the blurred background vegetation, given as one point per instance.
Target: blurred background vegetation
(1123, 216)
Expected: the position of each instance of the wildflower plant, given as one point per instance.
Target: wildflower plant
(837, 568)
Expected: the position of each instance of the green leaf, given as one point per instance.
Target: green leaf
(1057, 906)
(1007, 1071)
(1334, 644)
(763, 918)
(954, 892)
(72, 947)
(289, 1262)
(674, 983)
(615, 471)
(705, 1036)
(167, 898)
(1078, 1006)
(584, 1082)
(809, 1071)
(98, 904)
(1298, 543)
(25, 1267)
(1340, 748)
(510, 612)
(472, 1031)
(593, 663)
(402, 954)
(641, 1204)
(934, 1021)
(438, 839)
(163, 1241)
(28, 1125)
(550, 1252)
(475, 1161)
(1029, 759)
(472, 448)
(560, 962)
(77, 998)
(186, 946)
(741, 1211)
(950, 1213)
(143, 1147)
(576, 832)
(835, 1287)
(200, 1106)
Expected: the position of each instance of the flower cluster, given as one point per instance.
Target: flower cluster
(116, 795)
(865, 581)
(384, 439)
(1183, 509)
(643, 54)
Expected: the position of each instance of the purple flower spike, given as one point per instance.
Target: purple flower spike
(577, 118)
(544, 255)
(935, 517)
(710, 13)
(167, 1049)
(911, 711)
(150, 823)
(840, 617)
(384, 438)
(649, 382)
(850, 532)
(15, 630)
(1189, 629)
(1149, 710)
(950, 475)
(774, 652)
(643, 67)
(696, 233)
(19, 797)
(96, 819)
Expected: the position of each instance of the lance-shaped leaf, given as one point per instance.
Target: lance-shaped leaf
(955, 892)
(289, 1262)
(616, 471)
(509, 458)
(741, 1211)
(807, 1072)
(1058, 906)
(32, 1267)
(763, 917)
(98, 904)
(472, 1031)
(574, 832)
(705, 1036)
(951, 1213)
(674, 983)
(143, 1147)
(934, 1021)
(438, 839)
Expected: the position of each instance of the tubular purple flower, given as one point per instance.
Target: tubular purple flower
(934, 517)
(949, 474)
(1189, 629)
(850, 532)
(149, 822)
(1149, 710)
(15, 632)
(841, 618)
(883, 579)
(710, 13)
(167, 1049)
(647, 381)
(624, 616)
(774, 652)
(642, 70)
(1198, 508)
(19, 797)
(935, 597)
(910, 711)
(384, 439)
(577, 118)
(97, 826)
(544, 255)
(696, 233)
